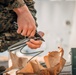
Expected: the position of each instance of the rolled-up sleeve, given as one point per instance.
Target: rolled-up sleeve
(15, 4)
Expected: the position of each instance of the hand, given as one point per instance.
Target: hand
(34, 44)
(25, 21)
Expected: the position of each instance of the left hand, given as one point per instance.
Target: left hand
(25, 21)
(34, 44)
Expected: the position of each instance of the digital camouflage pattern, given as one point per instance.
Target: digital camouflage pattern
(8, 35)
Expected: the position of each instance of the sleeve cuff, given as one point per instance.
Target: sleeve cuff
(16, 4)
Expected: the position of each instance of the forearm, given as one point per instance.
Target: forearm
(21, 10)
(28, 8)
(22, 6)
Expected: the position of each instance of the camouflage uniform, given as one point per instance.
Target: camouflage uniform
(8, 35)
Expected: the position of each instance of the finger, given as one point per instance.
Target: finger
(24, 32)
(33, 33)
(32, 46)
(30, 29)
(19, 30)
(36, 42)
